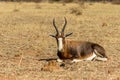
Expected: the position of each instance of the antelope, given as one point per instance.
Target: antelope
(76, 50)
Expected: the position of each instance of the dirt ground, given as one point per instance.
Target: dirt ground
(28, 53)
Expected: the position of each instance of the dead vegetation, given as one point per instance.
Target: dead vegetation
(28, 53)
(116, 2)
(76, 11)
(51, 66)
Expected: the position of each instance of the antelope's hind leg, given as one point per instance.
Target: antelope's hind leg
(101, 59)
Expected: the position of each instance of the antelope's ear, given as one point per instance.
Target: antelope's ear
(68, 34)
(52, 36)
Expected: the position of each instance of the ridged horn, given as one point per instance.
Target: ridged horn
(55, 26)
(64, 25)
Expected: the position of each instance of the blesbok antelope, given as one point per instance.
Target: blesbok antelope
(77, 50)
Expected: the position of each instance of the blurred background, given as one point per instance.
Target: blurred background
(27, 50)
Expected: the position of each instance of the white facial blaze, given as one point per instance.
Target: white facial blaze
(60, 44)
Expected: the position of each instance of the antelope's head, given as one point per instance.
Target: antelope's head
(60, 36)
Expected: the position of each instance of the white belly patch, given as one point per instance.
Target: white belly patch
(91, 57)
(86, 59)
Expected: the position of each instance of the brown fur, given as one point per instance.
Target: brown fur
(79, 50)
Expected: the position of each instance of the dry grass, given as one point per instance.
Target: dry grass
(27, 51)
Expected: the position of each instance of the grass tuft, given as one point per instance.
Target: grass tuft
(76, 11)
(16, 10)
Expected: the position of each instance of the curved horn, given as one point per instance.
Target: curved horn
(64, 25)
(55, 26)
